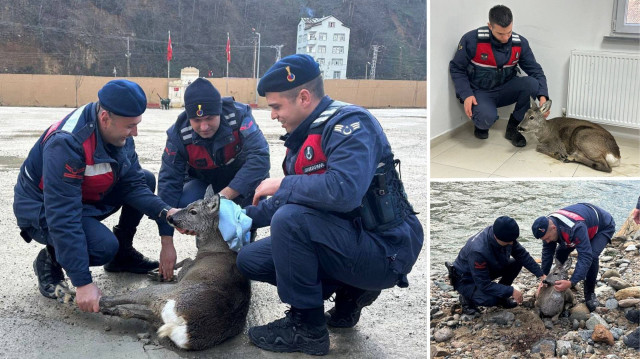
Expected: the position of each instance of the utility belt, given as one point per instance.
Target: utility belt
(385, 204)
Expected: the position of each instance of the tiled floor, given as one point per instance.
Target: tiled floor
(463, 155)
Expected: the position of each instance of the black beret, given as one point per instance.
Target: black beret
(289, 72)
(123, 98)
(506, 229)
(202, 99)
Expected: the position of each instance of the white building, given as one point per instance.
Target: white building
(326, 39)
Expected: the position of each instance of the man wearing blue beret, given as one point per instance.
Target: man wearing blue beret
(340, 219)
(489, 254)
(216, 142)
(582, 226)
(83, 169)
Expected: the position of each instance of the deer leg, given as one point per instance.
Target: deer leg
(552, 151)
(186, 264)
(154, 275)
(599, 164)
(143, 296)
(128, 311)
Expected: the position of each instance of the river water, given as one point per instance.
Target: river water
(461, 209)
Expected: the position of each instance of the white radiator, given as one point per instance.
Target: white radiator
(604, 87)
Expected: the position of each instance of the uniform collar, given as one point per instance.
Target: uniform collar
(295, 139)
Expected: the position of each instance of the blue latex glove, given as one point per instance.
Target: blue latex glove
(234, 225)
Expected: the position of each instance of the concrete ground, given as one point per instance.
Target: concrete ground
(395, 326)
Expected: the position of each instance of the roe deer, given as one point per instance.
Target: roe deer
(571, 140)
(209, 301)
(550, 302)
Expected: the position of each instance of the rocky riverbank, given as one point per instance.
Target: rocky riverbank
(610, 332)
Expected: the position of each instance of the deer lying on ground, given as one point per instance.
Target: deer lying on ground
(549, 302)
(571, 140)
(209, 301)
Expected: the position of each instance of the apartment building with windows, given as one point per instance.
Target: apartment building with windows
(326, 39)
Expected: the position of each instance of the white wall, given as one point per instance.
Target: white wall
(553, 29)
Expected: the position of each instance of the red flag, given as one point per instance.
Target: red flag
(169, 50)
(228, 49)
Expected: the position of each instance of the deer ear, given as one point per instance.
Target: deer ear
(532, 103)
(209, 193)
(545, 106)
(567, 263)
(212, 202)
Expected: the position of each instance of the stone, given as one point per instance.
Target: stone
(546, 347)
(626, 293)
(605, 292)
(605, 259)
(594, 320)
(438, 314)
(617, 333)
(626, 303)
(631, 248)
(580, 312)
(439, 352)
(611, 304)
(610, 273)
(602, 335)
(563, 347)
(633, 315)
(585, 335)
(443, 334)
(444, 286)
(618, 283)
(502, 317)
(632, 340)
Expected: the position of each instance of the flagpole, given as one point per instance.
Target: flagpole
(228, 52)
(169, 61)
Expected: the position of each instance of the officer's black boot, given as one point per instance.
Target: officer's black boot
(49, 272)
(507, 303)
(481, 134)
(468, 306)
(591, 300)
(349, 303)
(301, 330)
(128, 259)
(512, 133)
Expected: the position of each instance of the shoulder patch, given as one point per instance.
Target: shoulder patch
(73, 171)
(347, 129)
(482, 265)
(459, 46)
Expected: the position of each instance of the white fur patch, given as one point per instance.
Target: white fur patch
(612, 160)
(175, 327)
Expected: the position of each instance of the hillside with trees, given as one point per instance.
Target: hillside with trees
(91, 37)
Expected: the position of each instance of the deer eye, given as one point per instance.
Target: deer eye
(531, 117)
(193, 212)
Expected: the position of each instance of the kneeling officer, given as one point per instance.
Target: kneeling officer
(488, 256)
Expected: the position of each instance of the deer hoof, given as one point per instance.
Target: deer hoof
(154, 275)
(64, 294)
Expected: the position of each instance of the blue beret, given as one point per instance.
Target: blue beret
(506, 229)
(539, 227)
(123, 97)
(202, 99)
(289, 72)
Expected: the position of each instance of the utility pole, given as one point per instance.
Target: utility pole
(278, 51)
(373, 61)
(258, 65)
(366, 69)
(128, 56)
(255, 51)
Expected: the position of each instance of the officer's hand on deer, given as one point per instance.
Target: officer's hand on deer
(88, 297)
(266, 188)
(562, 285)
(471, 100)
(517, 295)
(542, 101)
(167, 258)
(542, 284)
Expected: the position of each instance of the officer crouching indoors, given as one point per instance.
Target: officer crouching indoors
(340, 219)
(488, 256)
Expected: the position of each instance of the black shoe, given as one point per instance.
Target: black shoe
(349, 303)
(512, 134)
(591, 301)
(481, 134)
(507, 303)
(468, 306)
(49, 274)
(128, 259)
(299, 331)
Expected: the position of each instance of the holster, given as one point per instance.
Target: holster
(454, 277)
(25, 235)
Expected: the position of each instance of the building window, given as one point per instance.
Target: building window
(322, 49)
(321, 61)
(626, 18)
(312, 35)
(338, 37)
(336, 74)
(338, 50)
(310, 49)
(323, 36)
(337, 62)
(332, 24)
